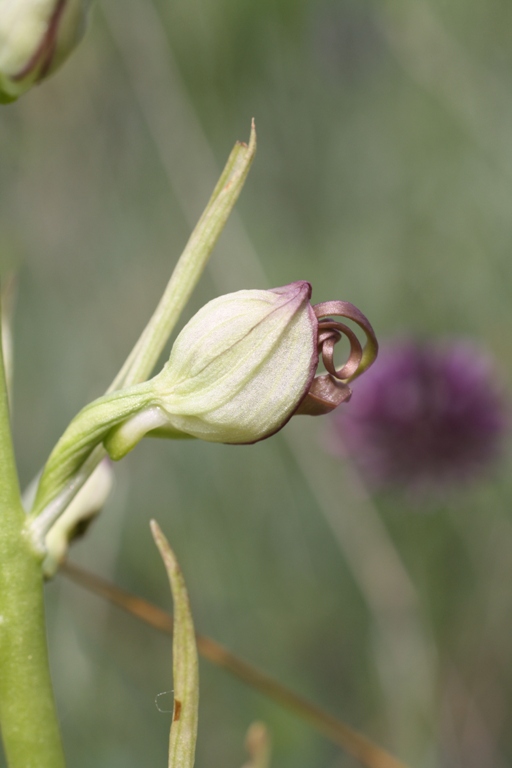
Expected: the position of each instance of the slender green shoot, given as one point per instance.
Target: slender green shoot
(182, 742)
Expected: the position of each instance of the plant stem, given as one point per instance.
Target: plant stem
(27, 712)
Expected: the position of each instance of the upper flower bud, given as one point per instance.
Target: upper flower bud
(237, 370)
(244, 364)
(36, 36)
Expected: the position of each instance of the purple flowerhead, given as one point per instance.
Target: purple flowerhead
(426, 415)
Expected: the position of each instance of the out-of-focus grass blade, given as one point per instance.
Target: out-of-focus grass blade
(182, 743)
(257, 743)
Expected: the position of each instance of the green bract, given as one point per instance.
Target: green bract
(36, 36)
(185, 672)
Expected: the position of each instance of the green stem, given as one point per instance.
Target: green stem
(27, 712)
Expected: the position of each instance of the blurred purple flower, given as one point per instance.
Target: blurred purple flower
(425, 415)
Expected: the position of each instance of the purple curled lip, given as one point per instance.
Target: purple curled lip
(329, 390)
(323, 393)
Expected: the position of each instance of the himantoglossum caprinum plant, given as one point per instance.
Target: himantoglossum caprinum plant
(238, 371)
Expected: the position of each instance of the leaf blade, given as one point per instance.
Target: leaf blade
(182, 741)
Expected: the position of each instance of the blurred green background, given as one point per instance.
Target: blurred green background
(384, 177)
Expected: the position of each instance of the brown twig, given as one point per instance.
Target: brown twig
(369, 754)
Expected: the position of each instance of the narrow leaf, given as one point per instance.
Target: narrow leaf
(182, 741)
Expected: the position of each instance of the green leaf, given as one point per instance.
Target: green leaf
(182, 742)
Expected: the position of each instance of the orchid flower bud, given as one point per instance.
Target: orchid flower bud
(241, 366)
(36, 36)
(238, 371)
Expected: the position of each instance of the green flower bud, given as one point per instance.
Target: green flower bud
(241, 366)
(36, 36)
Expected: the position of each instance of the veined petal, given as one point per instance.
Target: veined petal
(240, 367)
